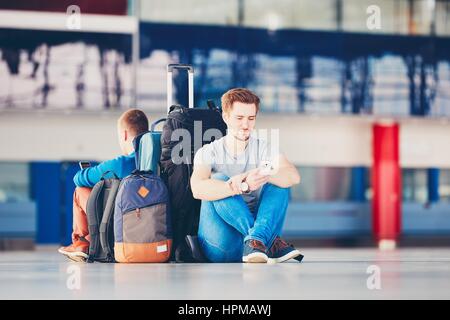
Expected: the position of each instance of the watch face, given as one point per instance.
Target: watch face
(244, 186)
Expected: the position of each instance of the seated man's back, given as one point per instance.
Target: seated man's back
(130, 124)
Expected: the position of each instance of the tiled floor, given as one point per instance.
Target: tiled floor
(422, 273)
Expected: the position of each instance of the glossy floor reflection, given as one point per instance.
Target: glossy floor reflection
(422, 273)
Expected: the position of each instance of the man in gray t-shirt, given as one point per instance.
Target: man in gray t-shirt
(244, 187)
(216, 155)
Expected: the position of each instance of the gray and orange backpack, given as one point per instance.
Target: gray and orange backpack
(142, 225)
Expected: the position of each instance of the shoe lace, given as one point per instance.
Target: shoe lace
(257, 245)
(279, 244)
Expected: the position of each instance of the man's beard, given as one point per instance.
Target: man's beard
(237, 138)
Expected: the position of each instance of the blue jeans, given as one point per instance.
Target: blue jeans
(227, 223)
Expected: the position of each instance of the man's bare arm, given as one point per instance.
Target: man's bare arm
(287, 174)
(205, 188)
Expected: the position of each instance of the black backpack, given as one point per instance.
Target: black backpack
(100, 216)
(185, 209)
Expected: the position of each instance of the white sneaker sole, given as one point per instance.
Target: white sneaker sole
(291, 255)
(256, 257)
(75, 256)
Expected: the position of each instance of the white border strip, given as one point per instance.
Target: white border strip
(53, 21)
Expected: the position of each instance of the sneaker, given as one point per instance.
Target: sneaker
(254, 252)
(281, 251)
(77, 251)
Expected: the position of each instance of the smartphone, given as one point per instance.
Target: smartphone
(266, 168)
(84, 164)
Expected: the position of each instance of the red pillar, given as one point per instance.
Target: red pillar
(386, 182)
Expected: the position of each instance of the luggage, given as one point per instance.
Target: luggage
(147, 148)
(142, 223)
(176, 174)
(195, 249)
(100, 214)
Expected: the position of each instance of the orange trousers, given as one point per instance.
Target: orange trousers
(80, 223)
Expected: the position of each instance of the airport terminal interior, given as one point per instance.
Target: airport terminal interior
(356, 91)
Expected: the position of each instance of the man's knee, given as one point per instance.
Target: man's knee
(220, 176)
(271, 188)
(285, 190)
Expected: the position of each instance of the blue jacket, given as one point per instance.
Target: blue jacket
(122, 166)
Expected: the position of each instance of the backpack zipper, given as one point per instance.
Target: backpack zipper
(138, 213)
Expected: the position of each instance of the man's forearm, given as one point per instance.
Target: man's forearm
(211, 189)
(81, 178)
(285, 177)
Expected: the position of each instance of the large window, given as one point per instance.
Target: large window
(328, 184)
(288, 51)
(397, 16)
(332, 184)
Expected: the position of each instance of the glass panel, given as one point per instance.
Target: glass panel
(323, 88)
(290, 14)
(444, 185)
(393, 16)
(349, 184)
(414, 185)
(443, 18)
(211, 12)
(321, 184)
(390, 85)
(275, 81)
(441, 105)
(14, 182)
(423, 16)
(396, 17)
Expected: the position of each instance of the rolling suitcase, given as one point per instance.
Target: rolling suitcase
(177, 163)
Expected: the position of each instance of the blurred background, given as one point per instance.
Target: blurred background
(327, 72)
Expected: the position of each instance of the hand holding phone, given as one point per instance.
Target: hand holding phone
(255, 180)
(266, 168)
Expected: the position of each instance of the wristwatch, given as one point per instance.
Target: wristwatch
(245, 188)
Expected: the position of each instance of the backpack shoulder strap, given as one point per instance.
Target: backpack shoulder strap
(93, 217)
(136, 145)
(108, 214)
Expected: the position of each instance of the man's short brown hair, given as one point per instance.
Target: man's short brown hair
(238, 95)
(135, 121)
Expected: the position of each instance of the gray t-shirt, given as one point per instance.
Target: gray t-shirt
(219, 158)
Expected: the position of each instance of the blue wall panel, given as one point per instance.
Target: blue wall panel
(46, 192)
(433, 185)
(358, 184)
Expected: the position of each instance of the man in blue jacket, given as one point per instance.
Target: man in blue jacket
(130, 124)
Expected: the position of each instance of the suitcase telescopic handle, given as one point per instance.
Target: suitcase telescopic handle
(182, 66)
(190, 70)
